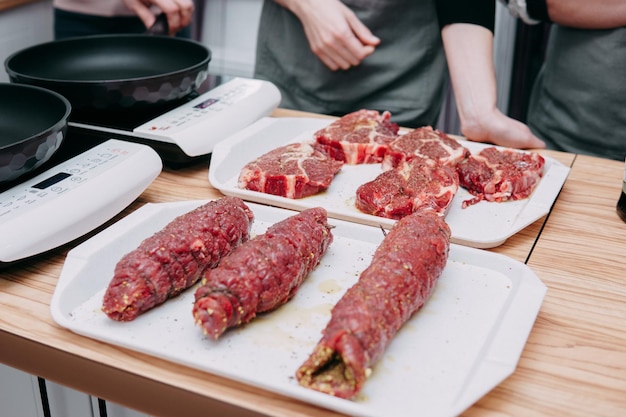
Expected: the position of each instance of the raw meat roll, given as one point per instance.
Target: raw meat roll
(263, 273)
(174, 258)
(399, 280)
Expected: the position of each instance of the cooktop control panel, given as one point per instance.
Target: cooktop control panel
(74, 197)
(194, 126)
(198, 125)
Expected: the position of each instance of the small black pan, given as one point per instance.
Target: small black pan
(33, 124)
(116, 72)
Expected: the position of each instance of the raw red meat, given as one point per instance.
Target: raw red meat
(397, 283)
(425, 142)
(500, 174)
(174, 258)
(360, 137)
(263, 273)
(294, 171)
(414, 184)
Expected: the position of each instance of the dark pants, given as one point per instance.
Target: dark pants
(70, 24)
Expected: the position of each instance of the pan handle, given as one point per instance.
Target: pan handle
(159, 27)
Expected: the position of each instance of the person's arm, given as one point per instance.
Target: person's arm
(582, 14)
(179, 12)
(467, 34)
(469, 51)
(336, 36)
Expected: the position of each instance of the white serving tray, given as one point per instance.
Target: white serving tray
(483, 225)
(464, 342)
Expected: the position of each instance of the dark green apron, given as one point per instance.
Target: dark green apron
(578, 103)
(405, 74)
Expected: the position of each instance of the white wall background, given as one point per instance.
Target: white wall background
(24, 26)
(229, 29)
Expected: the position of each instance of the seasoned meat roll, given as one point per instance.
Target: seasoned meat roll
(263, 273)
(399, 280)
(174, 258)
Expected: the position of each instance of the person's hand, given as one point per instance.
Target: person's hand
(498, 129)
(179, 12)
(469, 52)
(336, 36)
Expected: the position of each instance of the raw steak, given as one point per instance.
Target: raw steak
(417, 183)
(399, 280)
(428, 143)
(294, 171)
(360, 137)
(500, 174)
(173, 259)
(262, 274)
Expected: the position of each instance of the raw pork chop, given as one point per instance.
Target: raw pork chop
(428, 143)
(294, 171)
(360, 137)
(500, 174)
(414, 184)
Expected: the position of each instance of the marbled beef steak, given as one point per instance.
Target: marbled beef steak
(425, 142)
(500, 174)
(294, 171)
(360, 137)
(414, 184)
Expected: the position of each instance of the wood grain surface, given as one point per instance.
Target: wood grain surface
(574, 363)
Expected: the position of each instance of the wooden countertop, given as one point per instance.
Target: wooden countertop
(574, 362)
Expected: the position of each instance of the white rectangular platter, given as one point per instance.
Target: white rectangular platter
(483, 225)
(464, 342)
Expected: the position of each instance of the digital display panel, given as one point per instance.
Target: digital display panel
(52, 180)
(206, 103)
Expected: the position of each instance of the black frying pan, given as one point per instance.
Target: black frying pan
(33, 124)
(113, 71)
